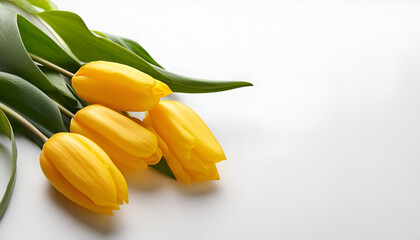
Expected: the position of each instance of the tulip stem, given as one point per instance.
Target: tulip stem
(28, 125)
(51, 65)
(64, 110)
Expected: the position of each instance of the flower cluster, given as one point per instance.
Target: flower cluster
(82, 164)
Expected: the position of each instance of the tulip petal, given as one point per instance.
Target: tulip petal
(172, 132)
(190, 148)
(119, 180)
(74, 159)
(191, 122)
(117, 129)
(177, 168)
(162, 145)
(114, 72)
(149, 126)
(213, 173)
(118, 86)
(67, 189)
(115, 153)
(196, 176)
(130, 161)
(195, 164)
(129, 99)
(160, 90)
(155, 158)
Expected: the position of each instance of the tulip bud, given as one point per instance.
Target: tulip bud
(126, 142)
(118, 86)
(83, 172)
(188, 145)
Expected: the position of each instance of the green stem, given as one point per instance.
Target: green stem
(63, 110)
(61, 70)
(51, 66)
(12, 113)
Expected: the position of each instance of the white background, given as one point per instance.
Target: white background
(326, 145)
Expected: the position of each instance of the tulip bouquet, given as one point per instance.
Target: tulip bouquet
(70, 89)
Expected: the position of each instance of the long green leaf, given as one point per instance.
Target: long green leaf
(43, 4)
(87, 47)
(31, 103)
(18, 36)
(32, 5)
(7, 130)
(38, 43)
(130, 45)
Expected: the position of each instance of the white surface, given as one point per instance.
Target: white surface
(324, 146)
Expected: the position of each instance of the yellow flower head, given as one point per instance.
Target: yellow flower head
(120, 137)
(187, 144)
(118, 86)
(83, 172)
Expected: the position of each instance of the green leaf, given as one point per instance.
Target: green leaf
(43, 4)
(87, 47)
(19, 128)
(7, 130)
(56, 77)
(130, 45)
(162, 167)
(39, 44)
(25, 5)
(31, 103)
(18, 36)
(31, 5)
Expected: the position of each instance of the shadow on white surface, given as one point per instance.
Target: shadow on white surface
(144, 180)
(196, 189)
(174, 97)
(102, 224)
(151, 181)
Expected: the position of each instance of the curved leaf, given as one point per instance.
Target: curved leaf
(7, 130)
(31, 103)
(18, 34)
(43, 4)
(30, 5)
(38, 43)
(130, 45)
(89, 47)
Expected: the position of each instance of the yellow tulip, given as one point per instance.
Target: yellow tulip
(118, 86)
(126, 142)
(83, 172)
(187, 144)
